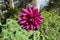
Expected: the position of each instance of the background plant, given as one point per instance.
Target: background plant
(50, 30)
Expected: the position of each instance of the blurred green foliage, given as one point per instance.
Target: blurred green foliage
(49, 30)
(12, 31)
(51, 27)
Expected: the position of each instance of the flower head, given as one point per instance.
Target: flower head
(31, 19)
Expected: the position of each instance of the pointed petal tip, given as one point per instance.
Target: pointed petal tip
(25, 11)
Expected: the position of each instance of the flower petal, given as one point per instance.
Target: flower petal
(24, 21)
(38, 27)
(30, 10)
(27, 27)
(32, 27)
(25, 11)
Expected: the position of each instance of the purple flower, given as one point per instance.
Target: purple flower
(31, 19)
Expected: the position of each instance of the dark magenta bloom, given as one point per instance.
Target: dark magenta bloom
(31, 19)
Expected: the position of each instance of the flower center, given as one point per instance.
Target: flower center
(30, 21)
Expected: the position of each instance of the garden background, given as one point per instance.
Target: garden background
(11, 30)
